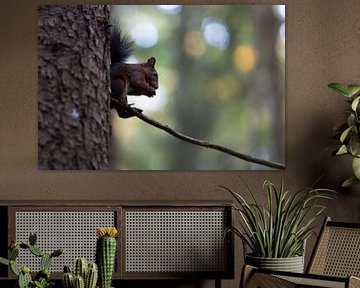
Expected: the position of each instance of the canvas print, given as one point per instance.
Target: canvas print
(161, 87)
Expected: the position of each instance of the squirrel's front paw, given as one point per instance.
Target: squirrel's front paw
(126, 111)
(151, 92)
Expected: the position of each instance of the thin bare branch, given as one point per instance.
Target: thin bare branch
(206, 144)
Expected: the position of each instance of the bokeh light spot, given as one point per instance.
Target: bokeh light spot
(194, 44)
(216, 34)
(145, 34)
(170, 9)
(244, 58)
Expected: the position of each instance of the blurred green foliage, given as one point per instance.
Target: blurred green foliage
(222, 79)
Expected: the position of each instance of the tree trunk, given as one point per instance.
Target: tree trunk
(266, 30)
(73, 80)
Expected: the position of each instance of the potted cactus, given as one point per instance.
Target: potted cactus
(42, 278)
(84, 275)
(106, 254)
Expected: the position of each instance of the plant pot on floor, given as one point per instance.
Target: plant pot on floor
(290, 264)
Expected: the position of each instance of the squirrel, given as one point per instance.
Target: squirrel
(129, 79)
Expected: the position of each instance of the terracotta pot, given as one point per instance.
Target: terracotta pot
(291, 264)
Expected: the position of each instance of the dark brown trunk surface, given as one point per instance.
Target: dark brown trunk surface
(73, 80)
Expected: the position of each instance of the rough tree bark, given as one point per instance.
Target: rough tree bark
(73, 80)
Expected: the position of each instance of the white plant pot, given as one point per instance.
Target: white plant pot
(291, 264)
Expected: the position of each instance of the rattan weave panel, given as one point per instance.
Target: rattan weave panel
(175, 241)
(267, 280)
(304, 282)
(339, 252)
(75, 231)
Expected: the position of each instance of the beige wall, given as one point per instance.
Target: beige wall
(323, 46)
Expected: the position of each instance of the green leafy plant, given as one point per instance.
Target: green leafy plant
(43, 283)
(279, 229)
(348, 133)
(42, 278)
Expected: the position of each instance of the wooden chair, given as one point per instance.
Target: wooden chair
(335, 262)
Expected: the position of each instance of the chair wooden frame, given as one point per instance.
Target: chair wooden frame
(335, 262)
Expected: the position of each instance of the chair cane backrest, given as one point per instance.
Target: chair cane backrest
(337, 252)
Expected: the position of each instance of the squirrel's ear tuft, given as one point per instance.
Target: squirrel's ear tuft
(151, 62)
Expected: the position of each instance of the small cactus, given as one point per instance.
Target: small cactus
(24, 278)
(32, 238)
(36, 251)
(83, 274)
(24, 246)
(106, 254)
(25, 269)
(91, 276)
(67, 269)
(79, 282)
(13, 253)
(45, 261)
(44, 273)
(57, 252)
(81, 265)
(14, 268)
(68, 280)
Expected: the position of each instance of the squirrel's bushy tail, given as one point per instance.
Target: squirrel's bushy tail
(121, 45)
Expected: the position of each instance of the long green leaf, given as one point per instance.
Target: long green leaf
(4, 261)
(351, 120)
(279, 228)
(340, 88)
(344, 135)
(249, 191)
(353, 89)
(349, 182)
(355, 103)
(270, 219)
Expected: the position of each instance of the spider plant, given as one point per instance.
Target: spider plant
(279, 229)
